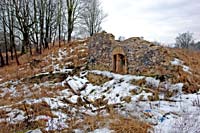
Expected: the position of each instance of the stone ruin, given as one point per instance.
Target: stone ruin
(132, 56)
(129, 56)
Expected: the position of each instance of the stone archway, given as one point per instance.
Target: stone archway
(119, 60)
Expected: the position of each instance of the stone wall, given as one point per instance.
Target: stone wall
(141, 56)
(100, 49)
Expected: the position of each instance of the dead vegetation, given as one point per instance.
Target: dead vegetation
(54, 77)
(31, 112)
(115, 122)
(35, 93)
(29, 65)
(191, 59)
(19, 127)
(165, 71)
(97, 79)
(129, 125)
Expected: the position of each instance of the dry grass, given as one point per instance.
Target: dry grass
(31, 112)
(46, 92)
(99, 66)
(13, 71)
(36, 109)
(113, 121)
(127, 125)
(97, 79)
(21, 127)
(7, 100)
(165, 71)
(140, 82)
(41, 92)
(191, 59)
(3, 114)
(41, 109)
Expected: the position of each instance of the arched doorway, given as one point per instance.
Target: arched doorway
(119, 60)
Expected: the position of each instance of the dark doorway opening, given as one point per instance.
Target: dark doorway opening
(119, 63)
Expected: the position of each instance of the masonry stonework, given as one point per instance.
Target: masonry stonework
(133, 56)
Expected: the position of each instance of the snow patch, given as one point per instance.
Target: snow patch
(35, 131)
(152, 82)
(76, 83)
(178, 62)
(102, 130)
(74, 98)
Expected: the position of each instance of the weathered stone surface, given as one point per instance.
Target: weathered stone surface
(133, 55)
(100, 49)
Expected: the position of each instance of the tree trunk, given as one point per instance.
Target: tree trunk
(2, 63)
(23, 48)
(47, 36)
(41, 33)
(11, 48)
(64, 40)
(16, 56)
(59, 30)
(37, 48)
(6, 54)
(15, 51)
(70, 29)
(36, 26)
(30, 48)
(69, 36)
(25, 43)
(5, 40)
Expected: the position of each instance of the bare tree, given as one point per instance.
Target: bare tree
(35, 23)
(59, 19)
(11, 21)
(197, 45)
(3, 20)
(1, 59)
(22, 13)
(73, 12)
(92, 16)
(184, 40)
(34, 36)
(44, 16)
(8, 28)
(48, 21)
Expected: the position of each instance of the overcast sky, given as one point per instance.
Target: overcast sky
(155, 20)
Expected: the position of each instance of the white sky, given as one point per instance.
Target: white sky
(155, 20)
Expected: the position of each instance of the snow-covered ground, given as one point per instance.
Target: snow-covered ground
(78, 97)
(178, 113)
(166, 115)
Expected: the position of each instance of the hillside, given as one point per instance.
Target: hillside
(58, 91)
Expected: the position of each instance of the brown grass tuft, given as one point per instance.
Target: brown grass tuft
(97, 79)
(114, 122)
(128, 125)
